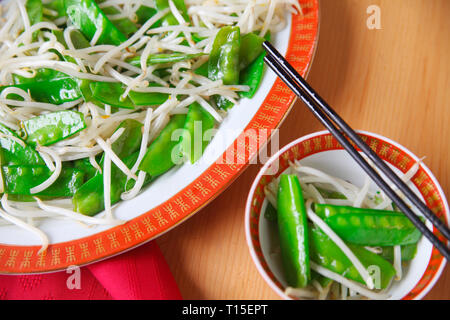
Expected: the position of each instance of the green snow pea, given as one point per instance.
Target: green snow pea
(223, 61)
(162, 58)
(86, 92)
(20, 179)
(224, 57)
(35, 13)
(326, 253)
(52, 127)
(251, 48)
(125, 25)
(144, 13)
(58, 7)
(369, 227)
(198, 121)
(251, 75)
(85, 166)
(15, 153)
(159, 157)
(293, 232)
(42, 74)
(88, 17)
(79, 41)
(56, 91)
(89, 198)
(270, 213)
(148, 98)
(170, 19)
(130, 140)
(203, 69)
(328, 194)
(111, 93)
(408, 252)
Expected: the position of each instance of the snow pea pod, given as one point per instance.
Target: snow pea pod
(408, 252)
(35, 13)
(252, 69)
(85, 88)
(158, 158)
(79, 41)
(56, 91)
(15, 153)
(52, 127)
(130, 140)
(58, 7)
(326, 253)
(330, 194)
(125, 25)
(252, 76)
(369, 227)
(148, 98)
(42, 74)
(250, 49)
(270, 213)
(170, 19)
(89, 198)
(224, 57)
(223, 61)
(111, 93)
(85, 166)
(198, 121)
(20, 179)
(144, 13)
(89, 18)
(293, 231)
(202, 70)
(162, 58)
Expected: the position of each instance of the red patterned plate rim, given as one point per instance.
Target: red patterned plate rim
(388, 150)
(152, 224)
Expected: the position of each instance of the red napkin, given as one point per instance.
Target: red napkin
(140, 274)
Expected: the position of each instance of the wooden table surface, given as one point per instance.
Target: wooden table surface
(394, 81)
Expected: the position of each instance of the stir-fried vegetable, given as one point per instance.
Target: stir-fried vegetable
(360, 249)
(369, 227)
(293, 230)
(93, 23)
(52, 127)
(164, 150)
(92, 93)
(20, 180)
(197, 123)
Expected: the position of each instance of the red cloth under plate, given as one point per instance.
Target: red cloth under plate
(140, 274)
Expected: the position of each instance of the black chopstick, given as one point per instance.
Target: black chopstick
(338, 127)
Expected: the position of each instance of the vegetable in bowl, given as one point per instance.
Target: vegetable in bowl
(336, 240)
(92, 92)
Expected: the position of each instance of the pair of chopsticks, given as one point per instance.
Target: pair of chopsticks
(338, 127)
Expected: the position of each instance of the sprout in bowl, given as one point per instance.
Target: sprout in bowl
(318, 228)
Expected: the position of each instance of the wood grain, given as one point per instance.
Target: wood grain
(394, 81)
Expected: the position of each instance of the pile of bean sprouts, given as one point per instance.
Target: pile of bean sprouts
(22, 55)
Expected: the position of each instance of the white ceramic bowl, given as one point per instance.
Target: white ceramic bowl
(320, 150)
